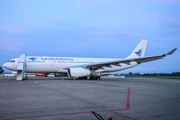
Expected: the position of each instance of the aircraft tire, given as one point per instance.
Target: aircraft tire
(92, 77)
(85, 77)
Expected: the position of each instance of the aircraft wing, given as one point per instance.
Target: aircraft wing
(99, 65)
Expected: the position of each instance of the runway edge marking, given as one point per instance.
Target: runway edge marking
(128, 100)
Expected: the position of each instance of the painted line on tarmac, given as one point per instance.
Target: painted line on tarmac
(127, 108)
(128, 100)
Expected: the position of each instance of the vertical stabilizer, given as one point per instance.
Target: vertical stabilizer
(139, 51)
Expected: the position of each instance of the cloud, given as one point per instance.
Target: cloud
(173, 1)
(170, 27)
(115, 37)
(9, 44)
(168, 1)
(10, 30)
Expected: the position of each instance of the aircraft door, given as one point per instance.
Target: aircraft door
(52, 63)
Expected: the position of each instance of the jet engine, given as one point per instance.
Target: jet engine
(60, 74)
(78, 72)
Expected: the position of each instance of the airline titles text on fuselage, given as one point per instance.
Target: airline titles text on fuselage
(56, 58)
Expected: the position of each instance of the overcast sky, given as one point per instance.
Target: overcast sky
(91, 28)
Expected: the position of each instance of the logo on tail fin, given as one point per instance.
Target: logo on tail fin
(139, 53)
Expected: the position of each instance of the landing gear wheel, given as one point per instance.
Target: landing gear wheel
(92, 78)
(82, 77)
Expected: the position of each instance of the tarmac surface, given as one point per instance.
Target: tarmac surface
(57, 99)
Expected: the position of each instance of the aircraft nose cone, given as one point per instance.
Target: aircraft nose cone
(5, 65)
(9, 66)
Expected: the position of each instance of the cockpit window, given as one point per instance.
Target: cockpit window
(12, 60)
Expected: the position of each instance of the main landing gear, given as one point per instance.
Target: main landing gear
(94, 77)
(82, 78)
(90, 77)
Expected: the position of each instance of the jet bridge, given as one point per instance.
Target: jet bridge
(21, 66)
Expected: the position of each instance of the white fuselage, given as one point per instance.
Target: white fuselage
(57, 64)
(78, 67)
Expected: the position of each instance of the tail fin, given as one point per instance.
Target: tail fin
(139, 51)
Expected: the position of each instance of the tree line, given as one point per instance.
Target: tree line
(1, 70)
(155, 74)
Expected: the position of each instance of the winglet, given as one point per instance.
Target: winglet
(171, 52)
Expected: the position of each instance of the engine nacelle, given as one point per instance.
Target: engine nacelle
(78, 72)
(60, 74)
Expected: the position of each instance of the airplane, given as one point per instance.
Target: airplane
(77, 67)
